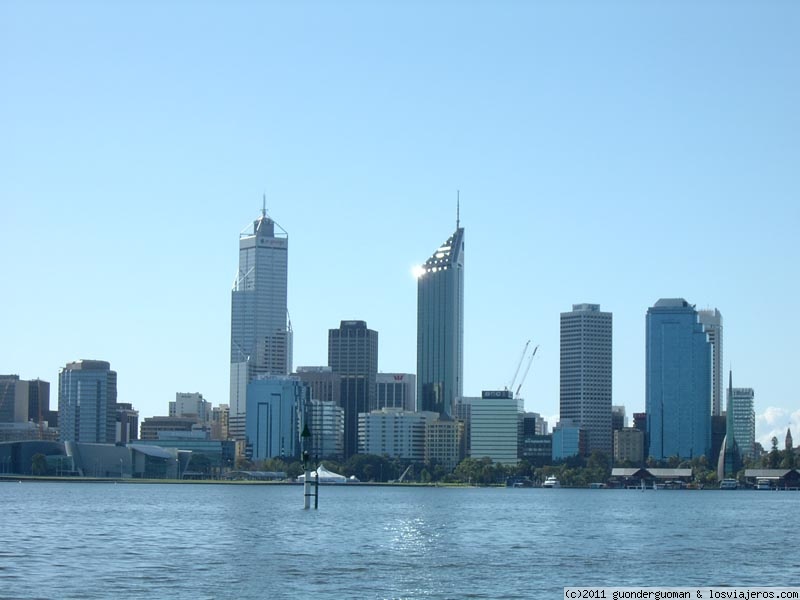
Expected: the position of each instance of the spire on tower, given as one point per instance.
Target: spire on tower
(264, 206)
(458, 209)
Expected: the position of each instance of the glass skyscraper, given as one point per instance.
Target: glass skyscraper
(87, 402)
(743, 419)
(261, 336)
(678, 381)
(440, 327)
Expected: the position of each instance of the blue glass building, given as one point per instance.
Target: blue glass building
(275, 406)
(678, 381)
(87, 402)
(440, 327)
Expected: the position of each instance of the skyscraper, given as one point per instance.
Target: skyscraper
(677, 381)
(353, 354)
(87, 402)
(711, 320)
(743, 419)
(261, 336)
(440, 327)
(586, 374)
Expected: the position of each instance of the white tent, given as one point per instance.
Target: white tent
(325, 476)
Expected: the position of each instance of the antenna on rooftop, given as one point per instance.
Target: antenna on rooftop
(458, 209)
(264, 206)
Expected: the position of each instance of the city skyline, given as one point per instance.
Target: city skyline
(599, 161)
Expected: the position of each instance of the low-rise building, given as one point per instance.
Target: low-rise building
(629, 445)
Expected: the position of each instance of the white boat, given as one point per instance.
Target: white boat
(728, 484)
(551, 482)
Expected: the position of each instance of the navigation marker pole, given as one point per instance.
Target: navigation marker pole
(306, 469)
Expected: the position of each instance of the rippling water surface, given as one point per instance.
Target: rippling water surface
(70, 540)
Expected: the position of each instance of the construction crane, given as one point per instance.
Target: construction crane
(519, 364)
(527, 368)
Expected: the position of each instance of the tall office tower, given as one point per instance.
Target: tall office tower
(744, 419)
(38, 400)
(87, 402)
(440, 327)
(261, 336)
(677, 381)
(353, 354)
(13, 399)
(586, 374)
(711, 320)
(396, 390)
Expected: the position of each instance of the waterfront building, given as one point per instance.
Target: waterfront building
(87, 402)
(17, 432)
(677, 381)
(743, 419)
(711, 320)
(444, 442)
(219, 453)
(537, 449)
(326, 428)
(569, 439)
(127, 426)
(440, 327)
(586, 373)
(191, 404)
(275, 413)
(394, 432)
(396, 390)
(353, 354)
(261, 336)
(496, 422)
(629, 445)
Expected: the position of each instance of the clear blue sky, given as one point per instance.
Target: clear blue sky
(606, 152)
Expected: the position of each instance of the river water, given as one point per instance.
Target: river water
(72, 540)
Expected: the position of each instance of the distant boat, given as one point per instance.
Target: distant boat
(728, 484)
(551, 482)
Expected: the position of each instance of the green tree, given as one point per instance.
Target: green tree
(39, 464)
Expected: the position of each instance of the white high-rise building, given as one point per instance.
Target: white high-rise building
(586, 373)
(396, 390)
(711, 320)
(496, 421)
(394, 432)
(190, 404)
(261, 335)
